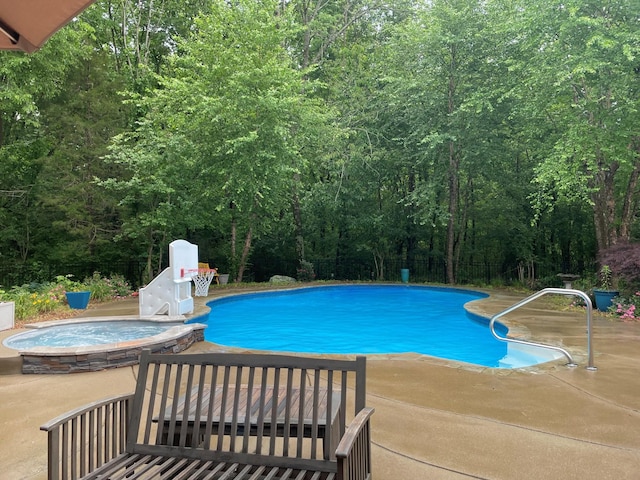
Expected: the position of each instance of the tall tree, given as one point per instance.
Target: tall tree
(324, 25)
(234, 112)
(444, 116)
(29, 82)
(581, 79)
(80, 124)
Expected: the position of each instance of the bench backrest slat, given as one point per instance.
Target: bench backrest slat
(216, 404)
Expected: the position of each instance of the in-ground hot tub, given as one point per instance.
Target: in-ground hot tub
(91, 344)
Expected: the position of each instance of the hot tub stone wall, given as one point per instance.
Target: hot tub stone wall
(92, 362)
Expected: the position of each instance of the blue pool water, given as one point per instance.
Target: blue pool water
(365, 319)
(85, 334)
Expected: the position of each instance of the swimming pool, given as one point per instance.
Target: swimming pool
(362, 319)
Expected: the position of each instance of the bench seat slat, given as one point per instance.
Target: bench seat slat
(245, 458)
(133, 467)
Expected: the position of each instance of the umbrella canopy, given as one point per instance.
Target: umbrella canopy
(26, 24)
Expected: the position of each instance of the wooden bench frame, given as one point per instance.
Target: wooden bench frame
(171, 427)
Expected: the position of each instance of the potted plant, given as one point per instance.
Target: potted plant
(605, 294)
(76, 292)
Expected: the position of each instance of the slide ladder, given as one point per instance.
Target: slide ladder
(170, 292)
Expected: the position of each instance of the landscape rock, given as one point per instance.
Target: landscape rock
(282, 279)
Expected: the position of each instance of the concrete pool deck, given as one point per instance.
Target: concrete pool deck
(434, 419)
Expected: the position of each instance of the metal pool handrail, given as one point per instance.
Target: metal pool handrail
(560, 291)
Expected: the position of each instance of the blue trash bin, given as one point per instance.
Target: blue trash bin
(404, 275)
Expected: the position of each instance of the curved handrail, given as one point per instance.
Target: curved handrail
(560, 291)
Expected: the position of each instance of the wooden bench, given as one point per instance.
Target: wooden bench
(222, 416)
(253, 402)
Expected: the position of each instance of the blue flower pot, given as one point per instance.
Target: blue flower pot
(78, 300)
(604, 299)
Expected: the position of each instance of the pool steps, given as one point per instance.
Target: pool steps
(522, 356)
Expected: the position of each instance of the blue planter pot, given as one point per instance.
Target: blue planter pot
(604, 298)
(78, 300)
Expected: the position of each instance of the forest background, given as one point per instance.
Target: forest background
(470, 141)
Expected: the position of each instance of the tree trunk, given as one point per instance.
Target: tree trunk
(453, 212)
(149, 267)
(297, 218)
(378, 260)
(245, 255)
(454, 164)
(604, 207)
(629, 205)
(162, 244)
(412, 239)
(232, 256)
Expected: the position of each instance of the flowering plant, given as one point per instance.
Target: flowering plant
(626, 307)
(106, 288)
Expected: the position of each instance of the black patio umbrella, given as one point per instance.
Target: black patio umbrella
(27, 24)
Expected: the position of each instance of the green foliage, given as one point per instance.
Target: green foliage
(579, 80)
(500, 131)
(104, 288)
(68, 284)
(220, 141)
(30, 301)
(586, 283)
(305, 272)
(606, 278)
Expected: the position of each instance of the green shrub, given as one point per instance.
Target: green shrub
(69, 285)
(99, 288)
(103, 288)
(305, 272)
(121, 287)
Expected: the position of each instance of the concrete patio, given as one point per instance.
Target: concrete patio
(434, 419)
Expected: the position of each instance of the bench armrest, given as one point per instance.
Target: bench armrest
(81, 440)
(354, 450)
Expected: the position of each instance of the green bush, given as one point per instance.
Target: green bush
(99, 287)
(121, 286)
(305, 272)
(103, 288)
(69, 285)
